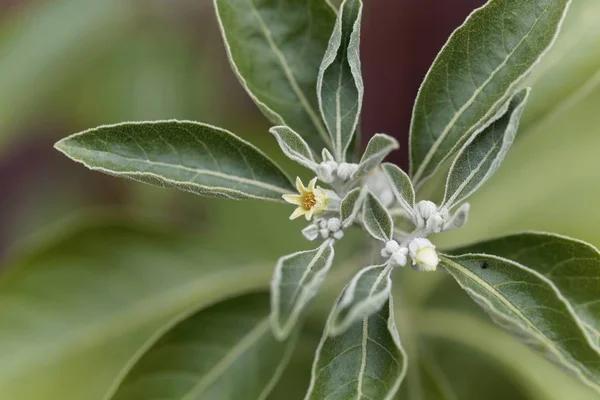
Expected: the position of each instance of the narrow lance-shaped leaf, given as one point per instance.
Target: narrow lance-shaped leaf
(262, 38)
(296, 281)
(376, 219)
(366, 293)
(351, 206)
(210, 354)
(377, 149)
(483, 153)
(458, 219)
(367, 361)
(294, 146)
(571, 265)
(530, 306)
(401, 187)
(188, 156)
(339, 84)
(475, 73)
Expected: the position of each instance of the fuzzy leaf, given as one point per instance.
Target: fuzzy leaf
(296, 281)
(351, 206)
(189, 156)
(365, 362)
(263, 38)
(458, 219)
(366, 293)
(294, 146)
(528, 305)
(376, 219)
(571, 265)
(377, 149)
(195, 359)
(401, 186)
(339, 84)
(483, 153)
(475, 73)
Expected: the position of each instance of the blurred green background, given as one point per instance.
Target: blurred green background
(69, 65)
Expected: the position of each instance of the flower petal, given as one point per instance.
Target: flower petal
(298, 212)
(311, 184)
(300, 186)
(293, 198)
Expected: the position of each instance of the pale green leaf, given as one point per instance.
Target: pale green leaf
(376, 219)
(351, 206)
(483, 153)
(571, 265)
(366, 293)
(527, 304)
(475, 73)
(185, 155)
(296, 281)
(401, 187)
(74, 312)
(275, 48)
(339, 85)
(224, 352)
(458, 219)
(365, 362)
(294, 146)
(377, 149)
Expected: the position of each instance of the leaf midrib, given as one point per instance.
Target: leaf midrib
(556, 352)
(289, 74)
(436, 144)
(197, 171)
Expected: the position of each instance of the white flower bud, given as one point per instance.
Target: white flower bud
(398, 259)
(345, 170)
(326, 171)
(392, 246)
(323, 223)
(338, 235)
(426, 208)
(311, 232)
(334, 224)
(423, 255)
(324, 233)
(435, 223)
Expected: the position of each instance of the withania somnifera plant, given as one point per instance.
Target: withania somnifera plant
(299, 61)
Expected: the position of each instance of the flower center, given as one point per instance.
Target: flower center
(308, 201)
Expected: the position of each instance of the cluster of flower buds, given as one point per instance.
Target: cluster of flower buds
(325, 228)
(329, 171)
(421, 251)
(429, 217)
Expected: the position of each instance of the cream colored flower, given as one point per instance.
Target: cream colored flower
(311, 200)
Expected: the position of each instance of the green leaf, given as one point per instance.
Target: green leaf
(351, 206)
(224, 352)
(366, 293)
(483, 153)
(376, 219)
(571, 265)
(365, 362)
(458, 219)
(526, 303)
(377, 149)
(189, 156)
(296, 281)
(475, 73)
(75, 311)
(294, 146)
(339, 85)
(401, 187)
(263, 38)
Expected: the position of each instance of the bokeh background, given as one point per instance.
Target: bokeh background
(69, 65)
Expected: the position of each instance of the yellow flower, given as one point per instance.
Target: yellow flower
(311, 200)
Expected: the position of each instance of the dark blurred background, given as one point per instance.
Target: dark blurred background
(69, 65)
